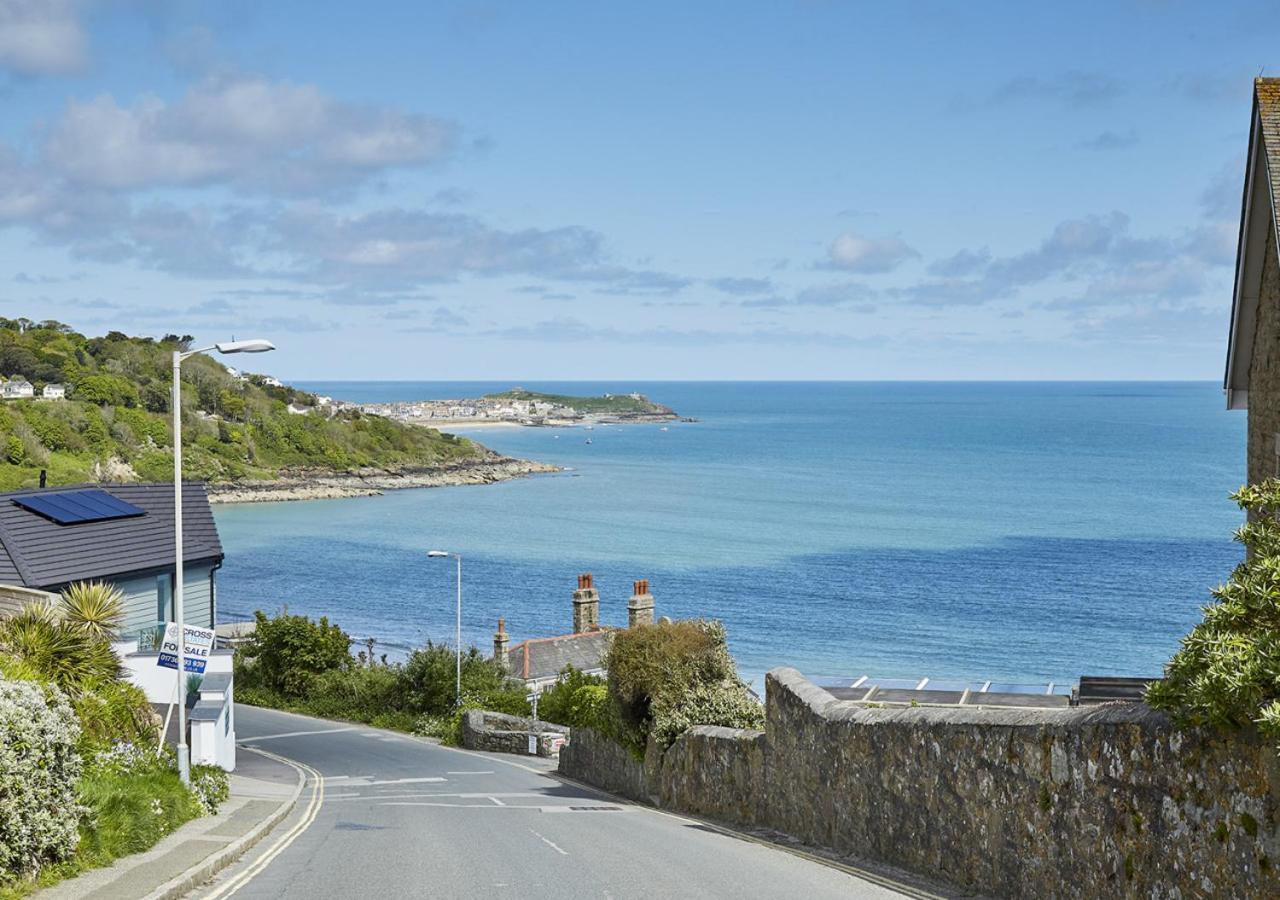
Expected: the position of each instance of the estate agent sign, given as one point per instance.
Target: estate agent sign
(199, 643)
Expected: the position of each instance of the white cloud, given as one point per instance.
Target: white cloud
(41, 37)
(251, 133)
(856, 253)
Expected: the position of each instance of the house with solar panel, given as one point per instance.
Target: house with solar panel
(120, 533)
(538, 662)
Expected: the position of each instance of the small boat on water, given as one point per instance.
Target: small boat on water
(664, 428)
(588, 440)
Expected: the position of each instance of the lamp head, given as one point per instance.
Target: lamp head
(436, 553)
(254, 346)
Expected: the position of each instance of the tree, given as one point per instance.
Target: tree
(1227, 672)
(288, 652)
(106, 390)
(14, 451)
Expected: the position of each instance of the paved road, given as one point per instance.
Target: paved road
(405, 818)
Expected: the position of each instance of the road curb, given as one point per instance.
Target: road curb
(212, 865)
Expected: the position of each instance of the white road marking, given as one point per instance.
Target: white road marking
(430, 779)
(289, 734)
(496, 801)
(549, 843)
(313, 809)
(468, 773)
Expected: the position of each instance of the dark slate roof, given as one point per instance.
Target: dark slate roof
(37, 553)
(546, 657)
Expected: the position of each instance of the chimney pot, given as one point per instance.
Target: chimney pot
(586, 605)
(640, 606)
(500, 641)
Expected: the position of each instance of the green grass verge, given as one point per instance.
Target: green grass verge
(130, 814)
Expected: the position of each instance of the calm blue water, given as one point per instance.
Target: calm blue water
(1005, 531)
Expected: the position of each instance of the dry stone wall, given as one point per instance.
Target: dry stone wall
(1084, 802)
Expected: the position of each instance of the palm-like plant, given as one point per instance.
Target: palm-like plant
(41, 638)
(94, 607)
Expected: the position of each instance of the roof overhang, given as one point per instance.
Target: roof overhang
(1256, 215)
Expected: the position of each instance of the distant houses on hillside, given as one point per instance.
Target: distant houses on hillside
(18, 388)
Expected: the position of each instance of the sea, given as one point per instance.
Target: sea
(1014, 532)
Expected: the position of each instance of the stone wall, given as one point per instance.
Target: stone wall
(1264, 372)
(500, 733)
(1083, 802)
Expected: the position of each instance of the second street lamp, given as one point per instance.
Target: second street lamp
(438, 554)
(255, 346)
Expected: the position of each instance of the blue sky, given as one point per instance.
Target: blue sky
(659, 190)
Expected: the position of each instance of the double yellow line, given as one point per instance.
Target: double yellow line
(229, 887)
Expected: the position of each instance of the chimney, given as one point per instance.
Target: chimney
(500, 645)
(640, 606)
(586, 605)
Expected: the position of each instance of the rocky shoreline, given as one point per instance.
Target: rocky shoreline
(368, 482)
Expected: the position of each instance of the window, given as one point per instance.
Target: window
(164, 597)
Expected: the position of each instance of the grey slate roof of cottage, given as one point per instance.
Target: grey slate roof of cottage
(1259, 213)
(38, 553)
(540, 658)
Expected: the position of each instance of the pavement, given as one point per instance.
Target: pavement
(387, 815)
(263, 793)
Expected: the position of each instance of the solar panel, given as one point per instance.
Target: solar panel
(78, 507)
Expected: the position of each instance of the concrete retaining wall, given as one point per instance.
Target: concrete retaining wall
(1084, 802)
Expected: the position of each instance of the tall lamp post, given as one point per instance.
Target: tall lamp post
(437, 554)
(257, 346)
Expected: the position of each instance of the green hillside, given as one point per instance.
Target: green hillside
(115, 422)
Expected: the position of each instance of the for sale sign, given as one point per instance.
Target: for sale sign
(199, 643)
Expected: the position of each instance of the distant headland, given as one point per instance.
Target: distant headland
(520, 407)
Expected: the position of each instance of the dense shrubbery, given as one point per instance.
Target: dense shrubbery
(39, 768)
(80, 781)
(576, 699)
(118, 409)
(294, 663)
(667, 677)
(1227, 673)
(288, 652)
(662, 680)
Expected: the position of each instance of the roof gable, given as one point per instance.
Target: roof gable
(1258, 215)
(38, 553)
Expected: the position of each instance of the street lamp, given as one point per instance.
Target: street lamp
(256, 346)
(438, 554)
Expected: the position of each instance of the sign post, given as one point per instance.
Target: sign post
(195, 649)
(194, 652)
